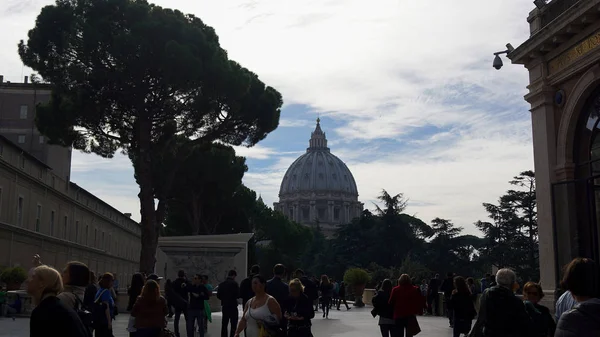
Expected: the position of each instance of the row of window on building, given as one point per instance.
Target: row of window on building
(100, 239)
(116, 217)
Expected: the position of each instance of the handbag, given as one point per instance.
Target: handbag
(267, 329)
(167, 333)
(412, 326)
(131, 324)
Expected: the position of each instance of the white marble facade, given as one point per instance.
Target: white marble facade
(212, 255)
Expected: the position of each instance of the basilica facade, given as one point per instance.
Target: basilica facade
(318, 189)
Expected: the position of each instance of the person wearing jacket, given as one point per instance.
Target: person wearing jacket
(135, 289)
(179, 299)
(197, 294)
(462, 306)
(246, 292)
(501, 313)
(76, 277)
(407, 302)
(298, 310)
(278, 289)
(229, 292)
(385, 311)
(582, 279)
(447, 288)
(150, 311)
(311, 289)
(51, 317)
(543, 324)
(342, 295)
(326, 289)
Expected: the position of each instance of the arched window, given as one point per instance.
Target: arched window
(587, 173)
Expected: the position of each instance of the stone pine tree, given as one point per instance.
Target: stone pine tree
(126, 72)
(511, 238)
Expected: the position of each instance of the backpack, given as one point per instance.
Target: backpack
(98, 316)
(84, 314)
(311, 290)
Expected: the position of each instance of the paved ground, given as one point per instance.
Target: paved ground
(354, 323)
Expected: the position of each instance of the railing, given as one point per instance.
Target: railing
(555, 8)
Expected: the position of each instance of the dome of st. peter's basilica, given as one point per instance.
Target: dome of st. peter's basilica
(319, 188)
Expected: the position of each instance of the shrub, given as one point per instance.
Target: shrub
(15, 275)
(356, 276)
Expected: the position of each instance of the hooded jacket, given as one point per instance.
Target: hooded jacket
(582, 321)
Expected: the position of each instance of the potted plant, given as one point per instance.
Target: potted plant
(13, 277)
(357, 278)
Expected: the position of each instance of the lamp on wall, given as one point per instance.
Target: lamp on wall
(497, 60)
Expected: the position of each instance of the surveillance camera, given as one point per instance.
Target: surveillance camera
(509, 47)
(497, 62)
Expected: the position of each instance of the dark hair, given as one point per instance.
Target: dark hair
(386, 285)
(137, 282)
(299, 272)
(92, 277)
(106, 280)
(279, 269)
(470, 280)
(255, 269)
(205, 277)
(181, 273)
(232, 273)
(450, 274)
(79, 274)
(488, 275)
(260, 278)
(325, 279)
(461, 286)
(582, 277)
(199, 276)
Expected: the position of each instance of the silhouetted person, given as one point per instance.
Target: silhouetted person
(279, 289)
(229, 292)
(246, 292)
(433, 297)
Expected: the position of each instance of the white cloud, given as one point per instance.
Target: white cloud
(290, 123)
(254, 152)
(383, 69)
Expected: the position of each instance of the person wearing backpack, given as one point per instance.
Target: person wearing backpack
(51, 317)
(103, 307)
(76, 277)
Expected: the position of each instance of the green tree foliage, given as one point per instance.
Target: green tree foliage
(392, 242)
(205, 186)
(511, 236)
(127, 74)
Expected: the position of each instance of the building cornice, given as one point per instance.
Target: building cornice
(566, 25)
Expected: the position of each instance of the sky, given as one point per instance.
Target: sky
(405, 91)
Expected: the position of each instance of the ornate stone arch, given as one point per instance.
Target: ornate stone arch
(577, 98)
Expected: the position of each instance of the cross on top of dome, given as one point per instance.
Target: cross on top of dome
(318, 141)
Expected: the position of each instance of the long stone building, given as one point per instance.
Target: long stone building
(41, 210)
(319, 188)
(562, 56)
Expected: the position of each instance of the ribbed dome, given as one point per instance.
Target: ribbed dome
(318, 170)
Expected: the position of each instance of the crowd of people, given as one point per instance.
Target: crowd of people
(498, 312)
(74, 303)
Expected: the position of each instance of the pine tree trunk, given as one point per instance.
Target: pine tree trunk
(146, 196)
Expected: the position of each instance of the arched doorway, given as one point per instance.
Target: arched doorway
(587, 170)
(576, 203)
